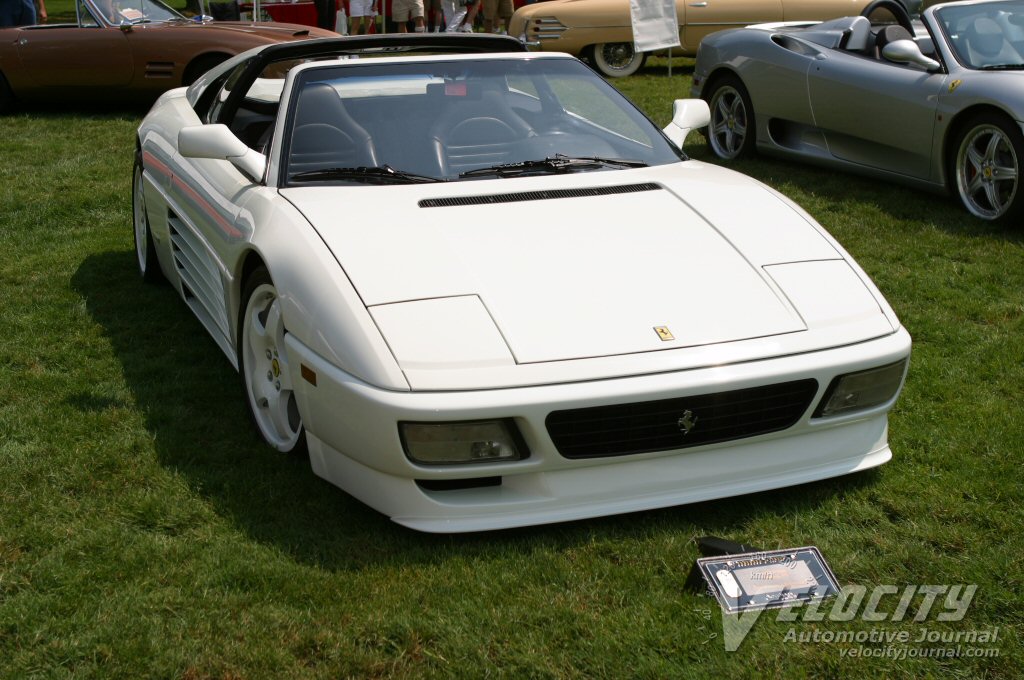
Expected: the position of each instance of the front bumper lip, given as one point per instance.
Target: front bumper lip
(631, 486)
(354, 443)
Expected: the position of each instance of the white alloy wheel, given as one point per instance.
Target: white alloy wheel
(987, 168)
(145, 251)
(263, 364)
(731, 131)
(616, 60)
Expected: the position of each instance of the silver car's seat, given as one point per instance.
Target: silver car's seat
(987, 45)
(858, 36)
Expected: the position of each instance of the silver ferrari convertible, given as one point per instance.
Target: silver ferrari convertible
(937, 104)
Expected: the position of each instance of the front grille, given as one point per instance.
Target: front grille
(642, 427)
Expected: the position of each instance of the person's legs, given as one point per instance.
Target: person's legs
(505, 10)
(400, 10)
(490, 10)
(472, 9)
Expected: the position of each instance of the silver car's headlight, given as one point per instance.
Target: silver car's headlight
(478, 441)
(862, 390)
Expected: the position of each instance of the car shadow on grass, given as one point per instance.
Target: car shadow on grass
(193, 410)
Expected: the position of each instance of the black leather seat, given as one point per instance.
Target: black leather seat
(326, 135)
(477, 131)
(890, 34)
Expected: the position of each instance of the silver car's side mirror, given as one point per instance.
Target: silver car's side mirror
(907, 52)
(219, 143)
(687, 115)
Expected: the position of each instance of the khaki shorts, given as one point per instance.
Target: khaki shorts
(403, 10)
(493, 8)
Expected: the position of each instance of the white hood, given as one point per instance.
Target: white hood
(582, 276)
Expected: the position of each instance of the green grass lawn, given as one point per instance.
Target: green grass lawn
(146, 532)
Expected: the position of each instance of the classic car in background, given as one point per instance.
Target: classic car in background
(124, 50)
(600, 31)
(483, 290)
(935, 106)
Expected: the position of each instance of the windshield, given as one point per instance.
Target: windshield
(986, 36)
(462, 120)
(136, 11)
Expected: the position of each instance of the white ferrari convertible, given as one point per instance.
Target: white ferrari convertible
(482, 290)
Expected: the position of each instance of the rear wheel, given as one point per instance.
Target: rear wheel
(731, 133)
(615, 60)
(263, 366)
(145, 251)
(987, 167)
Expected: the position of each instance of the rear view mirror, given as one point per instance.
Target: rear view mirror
(219, 143)
(907, 52)
(687, 115)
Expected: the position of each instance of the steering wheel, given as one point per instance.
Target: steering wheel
(894, 7)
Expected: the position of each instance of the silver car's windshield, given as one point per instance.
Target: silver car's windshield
(988, 36)
(375, 123)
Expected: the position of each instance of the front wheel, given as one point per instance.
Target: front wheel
(145, 251)
(731, 133)
(615, 60)
(987, 167)
(263, 366)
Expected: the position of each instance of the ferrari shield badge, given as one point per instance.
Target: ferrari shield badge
(664, 333)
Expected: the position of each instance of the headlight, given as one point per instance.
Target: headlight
(478, 441)
(862, 390)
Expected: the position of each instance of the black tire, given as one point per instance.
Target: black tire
(985, 168)
(616, 60)
(897, 9)
(145, 250)
(263, 367)
(201, 65)
(732, 132)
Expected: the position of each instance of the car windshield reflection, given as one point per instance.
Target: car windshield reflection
(116, 12)
(463, 121)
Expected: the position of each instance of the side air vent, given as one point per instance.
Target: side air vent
(537, 195)
(201, 283)
(159, 69)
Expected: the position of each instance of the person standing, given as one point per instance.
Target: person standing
(20, 12)
(326, 13)
(362, 14)
(404, 10)
(497, 9)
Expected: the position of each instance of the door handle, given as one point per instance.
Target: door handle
(698, 4)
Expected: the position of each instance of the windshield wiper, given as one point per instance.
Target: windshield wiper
(559, 163)
(1003, 67)
(384, 174)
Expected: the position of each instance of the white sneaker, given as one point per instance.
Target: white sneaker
(465, 28)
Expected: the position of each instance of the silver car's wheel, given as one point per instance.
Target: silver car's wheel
(263, 364)
(731, 131)
(988, 167)
(145, 251)
(616, 60)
